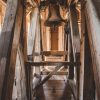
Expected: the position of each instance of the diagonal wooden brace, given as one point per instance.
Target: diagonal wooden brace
(48, 76)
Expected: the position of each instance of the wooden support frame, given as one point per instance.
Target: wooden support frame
(81, 68)
(24, 30)
(9, 47)
(32, 30)
(72, 88)
(47, 63)
(71, 58)
(74, 29)
(75, 36)
(58, 73)
(48, 77)
(36, 45)
(51, 53)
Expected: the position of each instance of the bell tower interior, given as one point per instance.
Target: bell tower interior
(49, 49)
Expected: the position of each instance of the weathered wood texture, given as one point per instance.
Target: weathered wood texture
(93, 26)
(48, 77)
(81, 69)
(5, 38)
(55, 90)
(19, 88)
(51, 53)
(80, 57)
(36, 45)
(49, 63)
(89, 86)
(57, 73)
(37, 42)
(30, 48)
(71, 59)
(43, 32)
(2, 2)
(74, 29)
(32, 30)
(5, 50)
(2, 13)
(24, 31)
(75, 38)
(97, 7)
(54, 38)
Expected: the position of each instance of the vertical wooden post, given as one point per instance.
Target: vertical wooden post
(75, 40)
(25, 31)
(74, 29)
(80, 69)
(71, 57)
(77, 56)
(92, 14)
(81, 73)
(32, 30)
(8, 47)
(89, 86)
(37, 48)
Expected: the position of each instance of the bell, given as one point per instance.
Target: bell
(54, 17)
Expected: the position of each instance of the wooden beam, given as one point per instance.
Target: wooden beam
(47, 63)
(74, 29)
(32, 30)
(2, 3)
(24, 30)
(58, 73)
(5, 39)
(54, 53)
(48, 77)
(5, 48)
(89, 85)
(20, 77)
(92, 10)
(37, 43)
(72, 88)
(71, 58)
(36, 46)
(80, 57)
(75, 36)
(81, 68)
(51, 53)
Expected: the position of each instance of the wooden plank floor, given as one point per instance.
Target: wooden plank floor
(55, 89)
